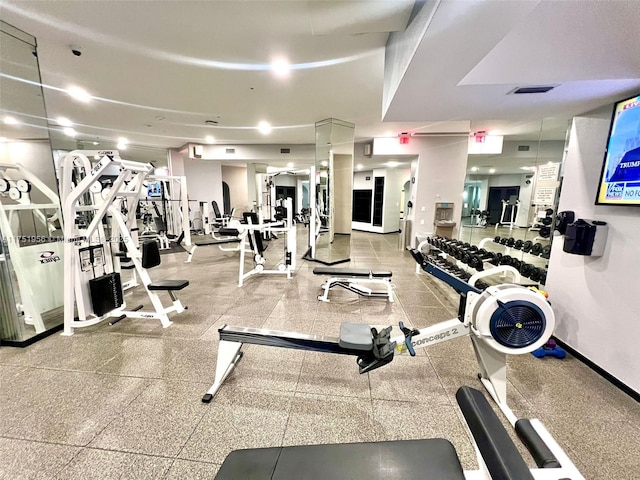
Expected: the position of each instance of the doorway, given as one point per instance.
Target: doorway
(496, 195)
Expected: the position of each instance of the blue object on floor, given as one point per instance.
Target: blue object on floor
(554, 351)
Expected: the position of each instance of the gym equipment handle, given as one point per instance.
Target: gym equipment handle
(408, 333)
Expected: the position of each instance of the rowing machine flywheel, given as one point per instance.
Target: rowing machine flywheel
(512, 319)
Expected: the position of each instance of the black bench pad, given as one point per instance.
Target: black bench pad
(228, 232)
(216, 242)
(351, 272)
(168, 285)
(432, 459)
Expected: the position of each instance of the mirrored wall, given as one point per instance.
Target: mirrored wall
(31, 266)
(510, 199)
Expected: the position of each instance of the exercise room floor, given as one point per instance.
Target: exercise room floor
(124, 401)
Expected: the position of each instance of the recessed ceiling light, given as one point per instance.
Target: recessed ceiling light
(264, 128)
(123, 140)
(359, 166)
(492, 170)
(281, 67)
(69, 131)
(209, 139)
(290, 165)
(9, 120)
(392, 164)
(64, 122)
(121, 146)
(95, 143)
(80, 94)
(474, 169)
(324, 163)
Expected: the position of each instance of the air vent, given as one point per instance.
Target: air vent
(230, 150)
(523, 148)
(285, 150)
(536, 89)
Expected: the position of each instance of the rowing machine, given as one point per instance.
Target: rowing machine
(501, 320)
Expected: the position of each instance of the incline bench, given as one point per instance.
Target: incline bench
(352, 279)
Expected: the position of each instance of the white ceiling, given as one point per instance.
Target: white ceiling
(160, 69)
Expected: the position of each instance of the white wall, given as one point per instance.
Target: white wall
(596, 299)
(204, 180)
(440, 175)
(360, 181)
(236, 178)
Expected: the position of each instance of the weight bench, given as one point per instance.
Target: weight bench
(427, 459)
(352, 279)
(232, 235)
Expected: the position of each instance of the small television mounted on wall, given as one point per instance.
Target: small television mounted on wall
(154, 190)
(620, 177)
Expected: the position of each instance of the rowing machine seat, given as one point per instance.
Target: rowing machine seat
(356, 336)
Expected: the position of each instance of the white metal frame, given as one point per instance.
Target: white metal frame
(356, 284)
(29, 298)
(287, 227)
(106, 203)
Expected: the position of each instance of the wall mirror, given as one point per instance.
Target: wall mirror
(31, 258)
(333, 192)
(510, 199)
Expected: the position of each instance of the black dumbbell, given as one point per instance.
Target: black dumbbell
(546, 220)
(535, 274)
(549, 212)
(536, 248)
(466, 258)
(503, 241)
(510, 242)
(525, 269)
(497, 239)
(515, 263)
(505, 260)
(473, 248)
(546, 251)
(495, 260)
(526, 246)
(543, 277)
(476, 262)
(482, 285)
(545, 232)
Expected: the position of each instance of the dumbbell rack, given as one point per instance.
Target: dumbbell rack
(535, 250)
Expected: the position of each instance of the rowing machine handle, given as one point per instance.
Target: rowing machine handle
(408, 333)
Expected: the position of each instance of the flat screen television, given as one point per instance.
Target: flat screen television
(620, 177)
(154, 190)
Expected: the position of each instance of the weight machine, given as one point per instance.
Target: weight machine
(96, 219)
(511, 206)
(34, 248)
(252, 231)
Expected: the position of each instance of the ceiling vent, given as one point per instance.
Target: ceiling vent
(533, 89)
(230, 150)
(523, 148)
(285, 150)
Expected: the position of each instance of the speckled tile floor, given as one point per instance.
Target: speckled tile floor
(124, 401)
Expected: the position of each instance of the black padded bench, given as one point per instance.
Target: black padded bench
(429, 459)
(232, 237)
(168, 285)
(353, 279)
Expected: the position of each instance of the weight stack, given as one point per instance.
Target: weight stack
(106, 293)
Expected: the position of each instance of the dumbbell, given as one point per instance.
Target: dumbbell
(483, 254)
(464, 275)
(518, 245)
(476, 262)
(543, 277)
(526, 246)
(515, 263)
(535, 274)
(545, 232)
(473, 248)
(481, 285)
(495, 260)
(496, 239)
(505, 260)
(466, 258)
(525, 269)
(536, 248)
(546, 251)
(503, 241)
(510, 242)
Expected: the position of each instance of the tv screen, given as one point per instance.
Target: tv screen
(620, 177)
(154, 190)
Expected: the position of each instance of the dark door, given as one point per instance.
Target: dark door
(496, 195)
(283, 193)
